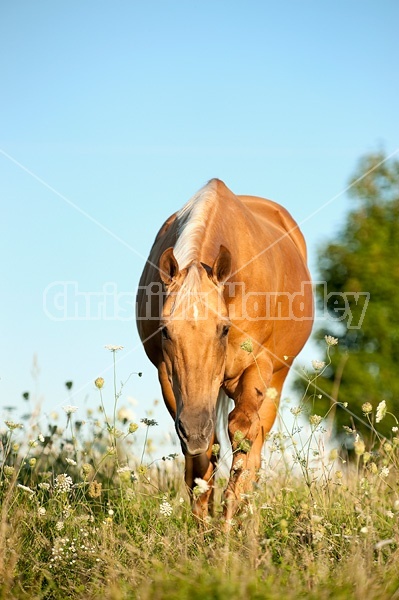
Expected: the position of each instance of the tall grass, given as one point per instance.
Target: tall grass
(87, 513)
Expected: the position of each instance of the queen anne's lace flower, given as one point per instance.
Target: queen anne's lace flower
(165, 509)
(69, 409)
(63, 482)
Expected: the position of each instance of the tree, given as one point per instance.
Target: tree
(364, 259)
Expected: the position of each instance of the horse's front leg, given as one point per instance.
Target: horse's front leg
(201, 467)
(256, 404)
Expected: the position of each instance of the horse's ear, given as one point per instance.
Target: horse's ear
(221, 269)
(168, 267)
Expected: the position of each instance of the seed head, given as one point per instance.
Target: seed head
(99, 382)
(247, 346)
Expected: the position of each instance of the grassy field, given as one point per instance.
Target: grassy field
(85, 513)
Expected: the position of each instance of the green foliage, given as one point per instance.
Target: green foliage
(364, 258)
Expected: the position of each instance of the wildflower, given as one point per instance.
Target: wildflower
(125, 415)
(165, 509)
(59, 525)
(44, 485)
(215, 449)
(238, 436)
(133, 427)
(71, 462)
(125, 469)
(389, 514)
(99, 382)
(247, 346)
(296, 410)
(330, 340)
(11, 425)
(69, 409)
(63, 482)
(8, 470)
(367, 408)
(245, 446)
(25, 488)
(318, 364)
(32, 462)
(271, 393)
(201, 484)
(32, 443)
(359, 446)
(110, 512)
(113, 348)
(384, 472)
(381, 411)
(315, 420)
(338, 474)
(95, 489)
(364, 530)
(149, 422)
(40, 437)
(394, 429)
(238, 465)
(387, 447)
(41, 511)
(86, 468)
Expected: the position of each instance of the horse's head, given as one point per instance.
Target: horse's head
(194, 330)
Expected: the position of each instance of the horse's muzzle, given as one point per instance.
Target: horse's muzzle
(194, 440)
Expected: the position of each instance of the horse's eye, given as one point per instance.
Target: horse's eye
(225, 330)
(165, 333)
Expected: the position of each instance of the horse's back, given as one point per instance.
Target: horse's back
(272, 213)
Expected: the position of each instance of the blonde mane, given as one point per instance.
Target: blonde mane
(191, 224)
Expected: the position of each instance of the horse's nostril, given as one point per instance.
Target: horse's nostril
(181, 429)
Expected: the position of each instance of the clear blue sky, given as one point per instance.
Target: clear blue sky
(112, 114)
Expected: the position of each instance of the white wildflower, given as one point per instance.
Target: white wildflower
(384, 472)
(72, 462)
(63, 482)
(318, 364)
(394, 429)
(389, 514)
(165, 509)
(41, 511)
(330, 340)
(315, 420)
(40, 437)
(59, 525)
(11, 425)
(69, 409)
(25, 488)
(271, 393)
(381, 411)
(113, 348)
(296, 410)
(238, 465)
(201, 485)
(44, 485)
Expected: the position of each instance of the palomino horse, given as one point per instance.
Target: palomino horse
(224, 305)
